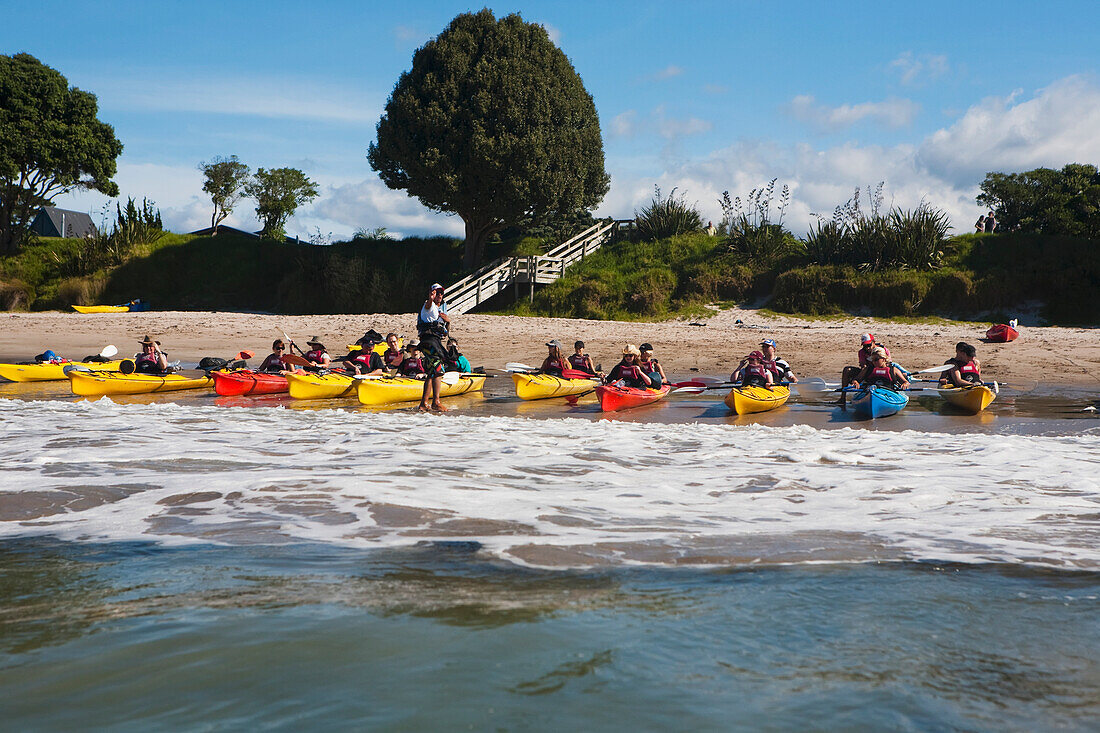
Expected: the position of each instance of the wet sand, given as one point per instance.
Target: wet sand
(1055, 355)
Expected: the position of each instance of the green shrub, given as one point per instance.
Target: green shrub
(15, 295)
(664, 218)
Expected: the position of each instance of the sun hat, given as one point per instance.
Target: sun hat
(554, 342)
(867, 338)
(148, 341)
(631, 349)
(878, 353)
(314, 342)
(371, 336)
(769, 342)
(414, 344)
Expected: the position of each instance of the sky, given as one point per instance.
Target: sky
(703, 97)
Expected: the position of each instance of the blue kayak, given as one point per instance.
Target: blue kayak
(878, 401)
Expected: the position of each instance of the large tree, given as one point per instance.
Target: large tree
(1045, 200)
(50, 143)
(278, 193)
(494, 124)
(225, 179)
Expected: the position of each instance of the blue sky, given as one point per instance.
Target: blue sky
(706, 96)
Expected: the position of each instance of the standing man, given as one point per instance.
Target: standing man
(432, 324)
(990, 223)
(780, 369)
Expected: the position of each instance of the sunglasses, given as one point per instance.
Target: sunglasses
(280, 348)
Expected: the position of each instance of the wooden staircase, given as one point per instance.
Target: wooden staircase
(476, 288)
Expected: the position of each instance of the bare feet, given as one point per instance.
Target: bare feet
(438, 407)
(423, 408)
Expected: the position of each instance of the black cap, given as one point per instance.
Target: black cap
(645, 347)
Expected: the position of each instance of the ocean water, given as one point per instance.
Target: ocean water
(216, 567)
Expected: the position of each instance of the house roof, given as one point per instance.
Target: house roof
(55, 222)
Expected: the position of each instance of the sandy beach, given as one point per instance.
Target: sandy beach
(813, 347)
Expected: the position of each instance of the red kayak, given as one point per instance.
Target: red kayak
(1002, 333)
(621, 398)
(246, 382)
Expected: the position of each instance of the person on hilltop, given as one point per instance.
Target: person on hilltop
(367, 360)
(965, 368)
(990, 223)
(555, 362)
(979, 225)
(394, 355)
(151, 360)
(629, 371)
(752, 372)
(867, 345)
(317, 354)
(651, 366)
(581, 361)
(880, 372)
(780, 369)
(273, 364)
(455, 360)
(432, 325)
(711, 230)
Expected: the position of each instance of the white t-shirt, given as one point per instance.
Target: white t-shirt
(429, 313)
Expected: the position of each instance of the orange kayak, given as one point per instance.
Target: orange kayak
(622, 398)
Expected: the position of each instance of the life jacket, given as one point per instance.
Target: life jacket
(393, 357)
(272, 364)
(970, 372)
(146, 364)
(364, 358)
(650, 366)
(754, 375)
(581, 362)
(881, 376)
(411, 367)
(553, 365)
(317, 355)
(632, 375)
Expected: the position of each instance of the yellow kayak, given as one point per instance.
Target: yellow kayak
(313, 386)
(94, 384)
(543, 386)
(101, 308)
(406, 389)
(379, 349)
(747, 400)
(51, 372)
(973, 399)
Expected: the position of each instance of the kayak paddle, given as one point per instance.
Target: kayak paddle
(935, 369)
(108, 351)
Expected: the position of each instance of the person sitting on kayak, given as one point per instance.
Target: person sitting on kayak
(881, 372)
(867, 345)
(317, 354)
(413, 365)
(367, 360)
(965, 369)
(555, 362)
(455, 361)
(651, 366)
(273, 364)
(581, 361)
(780, 369)
(151, 360)
(394, 355)
(629, 371)
(752, 372)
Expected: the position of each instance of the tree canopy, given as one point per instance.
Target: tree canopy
(1046, 201)
(225, 179)
(494, 124)
(278, 193)
(51, 142)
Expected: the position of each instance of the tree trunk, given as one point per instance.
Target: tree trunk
(477, 236)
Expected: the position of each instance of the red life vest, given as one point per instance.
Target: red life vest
(553, 365)
(882, 376)
(317, 355)
(581, 362)
(412, 366)
(754, 375)
(970, 372)
(364, 358)
(393, 357)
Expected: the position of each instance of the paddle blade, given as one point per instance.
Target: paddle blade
(295, 360)
(515, 366)
(689, 390)
(245, 355)
(108, 351)
(450, 378)
(933, 370)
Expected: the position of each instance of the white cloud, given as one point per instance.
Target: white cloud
(716, 89)
(668, 72)
(266, 97)
(673, 128)
(370, 203)
(624, 124)
(406, 34)
(916, 69)
(892, 112)
(553, 32)
(1054, 127)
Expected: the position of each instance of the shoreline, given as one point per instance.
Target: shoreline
(1054, 354)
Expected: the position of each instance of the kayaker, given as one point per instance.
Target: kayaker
(413, 365)
(432, 325)
(650, 365)
(394, 355)
(881, 372)
(581, 361)
(317, 354)
(629, 371)
(867, 345)
(367, 360)
(455, 360)
(780, 369)
(555, 362)
(752, 372)
(966, 369)
(273, 364)
(151, 360)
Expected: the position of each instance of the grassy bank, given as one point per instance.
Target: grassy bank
(980, 277)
